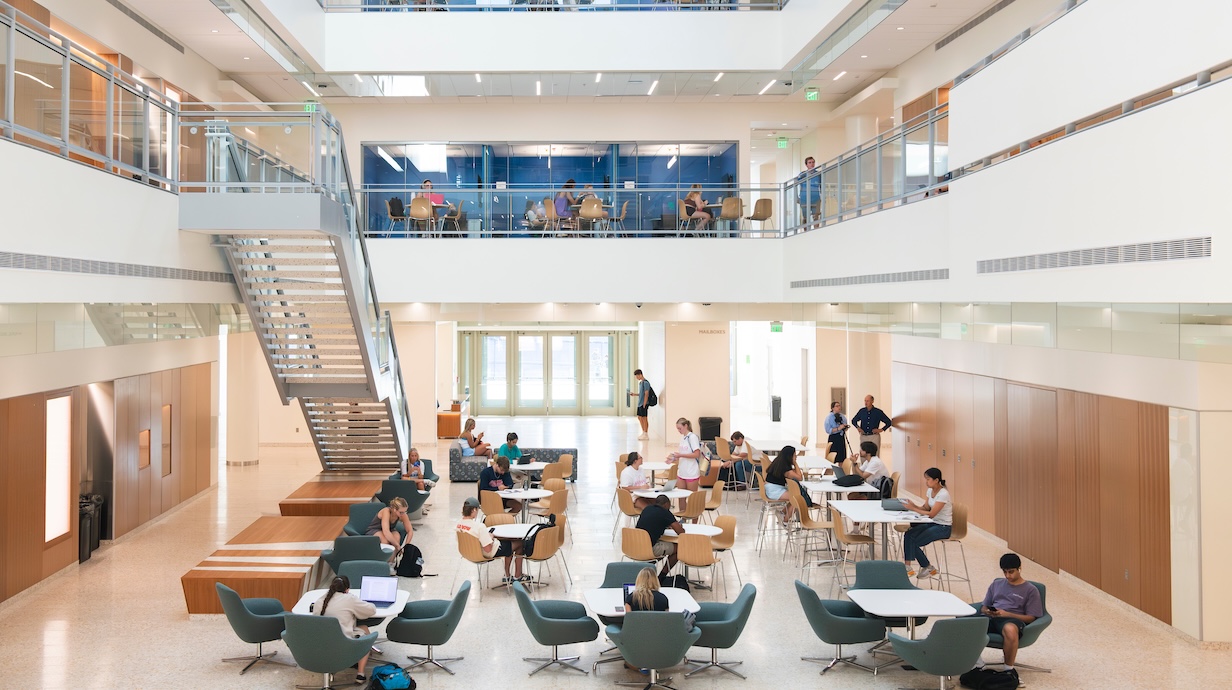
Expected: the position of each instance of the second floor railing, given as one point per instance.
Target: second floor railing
(545, 5)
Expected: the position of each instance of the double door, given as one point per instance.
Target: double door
(550, 372)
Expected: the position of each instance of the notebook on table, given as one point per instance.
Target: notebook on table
(379, 591)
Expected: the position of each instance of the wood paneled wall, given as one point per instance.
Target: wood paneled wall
(1073, 481)
(142, 494)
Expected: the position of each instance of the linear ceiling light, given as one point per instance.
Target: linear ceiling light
(310, 89)
(718, 76)
(653, 86)
(31, 76)
(766, 88)
(388, 159)
(598, 77)
(671, 162)
(478, 79)
(538, 88)
(840, 75)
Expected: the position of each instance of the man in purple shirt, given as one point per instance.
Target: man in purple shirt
(1010, 604)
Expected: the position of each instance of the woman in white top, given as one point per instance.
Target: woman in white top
(939, 507)
(687, 458)
(633, 478)
(349, 609)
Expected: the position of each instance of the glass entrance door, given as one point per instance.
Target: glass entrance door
(493, 367)
(564, 374)
(601, 367)
(532, 379)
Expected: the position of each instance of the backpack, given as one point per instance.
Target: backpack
(651, 398)
(988, 679)
(849, 480)
(528, 542)
(410, 563)
(391, 677)
(886, 485)
(677, 581)
(396, 208)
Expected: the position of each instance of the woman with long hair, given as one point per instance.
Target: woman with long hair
(473, 444)
(695, 208)
(938, 506)
(687, 457)
(633, 478)
(382, 525)
(646, 595)
(782, 470)
(349, 609)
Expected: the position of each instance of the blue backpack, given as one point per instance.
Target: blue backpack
(391, 677)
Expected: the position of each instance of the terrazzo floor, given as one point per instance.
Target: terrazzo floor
(119, 621)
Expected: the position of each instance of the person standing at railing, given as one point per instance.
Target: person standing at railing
(810, 191)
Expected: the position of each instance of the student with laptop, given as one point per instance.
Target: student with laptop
(644, 595)
(632, 478)
(349, 609)
(938, 506)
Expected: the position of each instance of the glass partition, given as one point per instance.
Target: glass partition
(546, 5)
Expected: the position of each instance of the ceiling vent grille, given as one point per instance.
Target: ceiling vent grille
(40, 262)
(901, 277)
(972, 24)
(145, 24)
(1168, 250)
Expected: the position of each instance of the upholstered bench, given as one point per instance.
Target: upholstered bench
(467, 469)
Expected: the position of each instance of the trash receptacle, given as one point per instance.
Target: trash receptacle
(709, 428)
(96, 523)
(85, 514)
(776, 408)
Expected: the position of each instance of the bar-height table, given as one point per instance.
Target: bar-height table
(871, 511)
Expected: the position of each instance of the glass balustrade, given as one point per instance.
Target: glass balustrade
(547, 5)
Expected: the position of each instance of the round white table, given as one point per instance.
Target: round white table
(674, 493)
(516, 530)
(653, 467)
(692, 528)
(527, 468)
(525, 496)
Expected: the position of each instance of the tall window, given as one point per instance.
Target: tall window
(59, 461)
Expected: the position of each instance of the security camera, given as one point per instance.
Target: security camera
(787, 83)
(638, 305)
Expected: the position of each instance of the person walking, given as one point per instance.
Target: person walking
(643, 403)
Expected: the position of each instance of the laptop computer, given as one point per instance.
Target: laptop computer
(838, 472)
(629, 587)
(894, 504)
(379, 591)
(669, 485)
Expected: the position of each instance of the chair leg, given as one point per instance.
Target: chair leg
(327, 683)
(260, 656)
(714, 663)
(840, 659)
(430, 659)
(566, 662)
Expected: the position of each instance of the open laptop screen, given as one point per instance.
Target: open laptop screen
(381, 591)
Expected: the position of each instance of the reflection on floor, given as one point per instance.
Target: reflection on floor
(119, 621)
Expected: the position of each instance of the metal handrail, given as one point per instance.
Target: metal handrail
(545, 5)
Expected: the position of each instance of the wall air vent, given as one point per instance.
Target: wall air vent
(973, 23)
(901, 277)
(145, 24)
(1168, 250)
(40, 262)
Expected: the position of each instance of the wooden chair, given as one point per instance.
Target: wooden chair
(547, 546)
(620, 467)
(763, 209)
(809, 529)
(635, 546)
(804, 441)
(669, 475)
(694, 507)
(732, 211)
(491, 504)
(471, 550)
(557, 504)
(769, 510)
(629, 512)
(714, 502)
(696, 551)
(848, 542)
(620, 220)
(712, 475)
(958, 532)
(421, 212)
(554, 470)
(453, 215)
(395, 217)
(566, 468)
(726, 541)
(592, 212)
(552, 221)
(685, 220)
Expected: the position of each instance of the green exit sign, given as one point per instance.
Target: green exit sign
(811, 94)
(310, 106)
(776, 327)
(782, 142)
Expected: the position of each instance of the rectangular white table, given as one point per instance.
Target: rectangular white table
(610, 601)
(910, 604)
(311, 598)
(871, 511)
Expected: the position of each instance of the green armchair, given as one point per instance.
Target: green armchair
(399, 488)
(354, 548)
(355, 571)
(721, 625)
(653, 640)
(1030, 632)
(319, 646)
(885, 575)
(255, 621)
(361, 515)
(951, 648)
(617, 574)
(553, 623)
(839, 623)
(430, 622)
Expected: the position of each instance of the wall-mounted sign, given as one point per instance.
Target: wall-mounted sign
(810, 94)
(782, 142)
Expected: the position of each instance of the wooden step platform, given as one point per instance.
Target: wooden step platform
(329, 496)
(277, 557)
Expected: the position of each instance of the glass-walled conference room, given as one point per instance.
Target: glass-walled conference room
(493, 186)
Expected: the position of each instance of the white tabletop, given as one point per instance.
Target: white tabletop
(610, 601)
(311, 598)
(832, 488)
(692, 528)
(909, 603)
(674, 493)
(655, 466)
(515, 530)
(871, 511)
(524, 494)
(535, 466)
(813, 462)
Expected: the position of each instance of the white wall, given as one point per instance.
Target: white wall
(57, 207)
(696, 375)
(418, 353)
(1100, 54)
(769, 364)
(1216, 476)
(652, 360)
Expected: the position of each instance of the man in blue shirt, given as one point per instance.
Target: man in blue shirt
(810, 191)
(871, 421)
(643, 403)
(836, 429)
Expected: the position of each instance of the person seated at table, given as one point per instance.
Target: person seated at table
(632, 478)
(382, 525)
(589, 191)
(781, 471)
(496, 477)
(655, 519)
(536, 216)
(349, 609)
(739, 463)
(472, 444)
(695, 208)
(1011, 604)
(510, 449)
(434, 198)
(509, 549)
(646, 596)
(565, 201)
(938, 506)
(413, 471)
(866, 464)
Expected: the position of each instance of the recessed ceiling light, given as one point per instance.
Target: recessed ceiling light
(718, 76)
(598, 77)
(901, 28)
(839, 75)
(247, 58)
(863, 56)
(653, 86)
(213, 31)
(478, 79)
(538, 88)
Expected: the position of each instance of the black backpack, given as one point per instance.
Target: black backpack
(396, 208)
(410, 563)
(988, 679)
(651, 398)
(528, 542)
(678, 581)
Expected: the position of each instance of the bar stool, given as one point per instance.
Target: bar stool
(958, 532)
